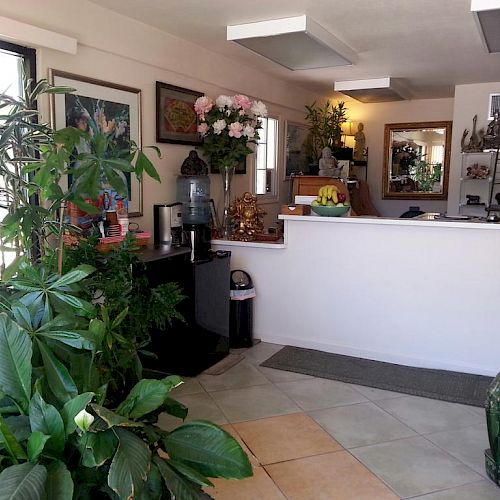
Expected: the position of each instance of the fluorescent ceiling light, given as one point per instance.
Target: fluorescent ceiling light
(294, 42)
(373, 90)
(487, 16)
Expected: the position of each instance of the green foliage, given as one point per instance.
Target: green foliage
(325, 125)
(59, 351)
(120, 285)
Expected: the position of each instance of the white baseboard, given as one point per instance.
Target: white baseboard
(382, 356)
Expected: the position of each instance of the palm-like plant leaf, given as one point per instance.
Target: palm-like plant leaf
(15, 362)
(23, 482)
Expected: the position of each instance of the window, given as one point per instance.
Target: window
(12, 59)
(266, 158)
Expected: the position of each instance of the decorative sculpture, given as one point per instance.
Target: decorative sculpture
(492, 136)
(477, 171)
(328, 164)
(360, 143)
(493, 422)
(247, 218)
(475, 144)
(194, 165)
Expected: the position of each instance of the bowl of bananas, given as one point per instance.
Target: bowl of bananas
(330, 202)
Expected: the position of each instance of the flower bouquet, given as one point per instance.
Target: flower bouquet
(228, 126)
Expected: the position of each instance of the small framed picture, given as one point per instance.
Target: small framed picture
(494, 105)
(176, 121)
(296, 160)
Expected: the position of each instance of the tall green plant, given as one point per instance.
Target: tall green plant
(58, 440)
(325, 125)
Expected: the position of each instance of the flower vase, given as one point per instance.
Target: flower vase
(227, 177)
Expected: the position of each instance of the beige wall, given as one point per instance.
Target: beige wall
(116, 49)
(470, 100)
(374, 117)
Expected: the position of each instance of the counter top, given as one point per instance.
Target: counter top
(415, 222)
(152, 253)
(255, 244)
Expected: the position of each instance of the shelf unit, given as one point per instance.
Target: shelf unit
(484, 188)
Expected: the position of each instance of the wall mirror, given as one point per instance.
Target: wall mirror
(416, 160)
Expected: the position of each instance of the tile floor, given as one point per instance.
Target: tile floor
(316, 439)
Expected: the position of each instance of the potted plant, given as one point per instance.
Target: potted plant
(325, 126)
(59, 438)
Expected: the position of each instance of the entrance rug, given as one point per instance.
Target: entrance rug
(450, 386)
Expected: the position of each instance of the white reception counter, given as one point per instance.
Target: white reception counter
(415, 292)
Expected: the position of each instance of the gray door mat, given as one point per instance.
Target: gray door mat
(456, 387)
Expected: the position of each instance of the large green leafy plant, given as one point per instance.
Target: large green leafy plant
(58, 438)
(325, 126)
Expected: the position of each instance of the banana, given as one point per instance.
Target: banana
(323, 200)
(335, 197)
(318, 199)
(328, 192)
(320, 192)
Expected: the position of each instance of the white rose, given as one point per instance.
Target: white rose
(219, 126)
(248, 131)
(259, 109)
(84, 420)
(224, 101)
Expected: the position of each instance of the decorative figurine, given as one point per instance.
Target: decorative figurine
(328, 164)
(360, 143)
(493, 422)
(476, 140)
(477, 171)
(492, 137)
(473, 199)
(194, 165)
(247, 218)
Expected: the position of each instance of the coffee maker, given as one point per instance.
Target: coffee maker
(193, 191)
(167, 221)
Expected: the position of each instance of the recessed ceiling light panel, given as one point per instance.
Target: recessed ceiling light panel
(294, 42)
(487, 16)
(373, 90)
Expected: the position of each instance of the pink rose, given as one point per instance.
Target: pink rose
(242, 101)
(203, 105)
(235, 129)
(202, 129)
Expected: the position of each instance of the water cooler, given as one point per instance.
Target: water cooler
(193, 191)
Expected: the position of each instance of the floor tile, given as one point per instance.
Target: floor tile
(318, 393)
(253, 459)
(241, 375)
(277, 376)
(189, 386)
(374, 394)
(254, 402)
(334, 476)
(414, 466)
(286, 437)
(360, 425)
(429, 415)
(201, 406)
(261, 351)
(258, 487)
(482, 490)
(467, 444)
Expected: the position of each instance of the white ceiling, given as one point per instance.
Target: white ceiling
(432, 45)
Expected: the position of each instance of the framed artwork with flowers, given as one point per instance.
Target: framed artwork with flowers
(98, 106)
(176, 120)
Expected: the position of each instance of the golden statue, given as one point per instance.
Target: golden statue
(247, 218)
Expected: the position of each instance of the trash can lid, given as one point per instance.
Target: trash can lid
(240, 280)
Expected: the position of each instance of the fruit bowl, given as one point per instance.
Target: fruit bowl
(329, 211)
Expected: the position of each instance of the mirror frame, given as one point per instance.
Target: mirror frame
(394, 127)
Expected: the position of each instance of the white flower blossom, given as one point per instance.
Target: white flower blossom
(224, 101)
(248, 131)
(259, 109)
(219, 126)
(84, 420)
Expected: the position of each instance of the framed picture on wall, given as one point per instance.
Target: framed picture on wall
(296, 160)
(176, 121)
(96, 105)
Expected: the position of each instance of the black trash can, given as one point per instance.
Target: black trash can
(241, 310)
